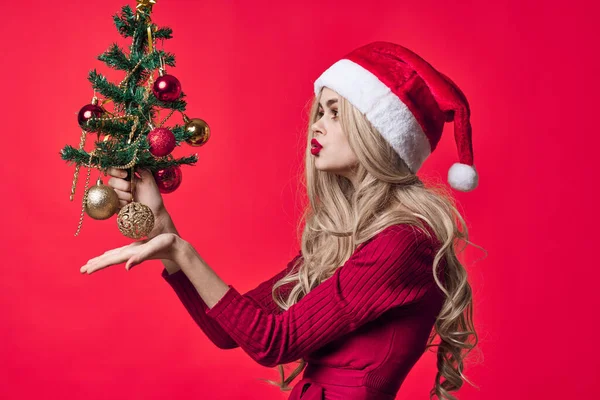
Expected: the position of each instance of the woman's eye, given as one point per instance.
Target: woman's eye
(335, 114)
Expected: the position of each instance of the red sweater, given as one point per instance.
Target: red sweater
(360, 331)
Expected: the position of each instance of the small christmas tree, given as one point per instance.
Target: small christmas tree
(132, 137)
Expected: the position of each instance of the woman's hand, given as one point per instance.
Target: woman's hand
(165, 246)
(146, 192)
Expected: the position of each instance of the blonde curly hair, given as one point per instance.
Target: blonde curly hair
(339, 217)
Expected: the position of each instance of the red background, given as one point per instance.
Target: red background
(248, 69)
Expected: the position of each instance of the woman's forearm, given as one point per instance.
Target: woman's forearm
(170, 266)
(208, 284)
(167, 226)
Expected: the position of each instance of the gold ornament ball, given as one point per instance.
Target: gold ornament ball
(101, 201)
(135, 220)
(199, 130)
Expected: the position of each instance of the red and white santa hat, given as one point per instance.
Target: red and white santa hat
(408, 102)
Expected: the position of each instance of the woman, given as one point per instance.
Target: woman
(377, 269)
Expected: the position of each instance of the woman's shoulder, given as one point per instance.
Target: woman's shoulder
(405, 229)
(398, 247)
(401, 233)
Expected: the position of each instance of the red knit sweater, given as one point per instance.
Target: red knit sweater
(360, 331)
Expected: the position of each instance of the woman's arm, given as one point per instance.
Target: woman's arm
(196, 307)
(167, 226)
(163, 223)
(392, 270)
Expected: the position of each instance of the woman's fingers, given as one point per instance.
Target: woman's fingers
(124, 197)
(112, 257)
(136, 258)
(117, 173)
(145, 175)
(109, 252)
(105, 260)
(121, 184)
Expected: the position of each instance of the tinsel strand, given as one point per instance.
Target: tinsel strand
(78, 165)
(85, 193)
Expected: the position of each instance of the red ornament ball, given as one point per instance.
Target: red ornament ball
(166, 88)
(162, 142)
(89, 111)
(168, 179)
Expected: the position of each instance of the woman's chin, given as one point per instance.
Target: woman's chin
(319, 165)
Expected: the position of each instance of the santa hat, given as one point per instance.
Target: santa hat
(408, 102)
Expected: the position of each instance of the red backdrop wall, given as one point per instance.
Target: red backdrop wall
(248, 69)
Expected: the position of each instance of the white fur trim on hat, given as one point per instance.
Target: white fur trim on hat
(388, 114)
(463, 177)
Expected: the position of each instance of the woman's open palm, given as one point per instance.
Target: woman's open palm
(159, 247)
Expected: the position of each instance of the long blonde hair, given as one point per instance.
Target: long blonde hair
(338, 218)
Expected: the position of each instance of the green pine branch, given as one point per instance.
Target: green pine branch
(164, 33)
(117, 128)
(115, 57)
(125, 21)
(108, 89)
(145, 159)
(131, 99)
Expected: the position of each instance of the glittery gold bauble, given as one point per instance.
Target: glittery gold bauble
(101, 201)
(135, 220)
(199, 130)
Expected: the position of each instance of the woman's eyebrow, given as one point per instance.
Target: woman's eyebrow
(329, 102)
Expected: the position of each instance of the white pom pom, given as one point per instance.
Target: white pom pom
(463, 177)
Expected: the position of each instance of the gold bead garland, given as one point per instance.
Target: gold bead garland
(76, 175)
(166, 118)
(87, 182)
(131, 72)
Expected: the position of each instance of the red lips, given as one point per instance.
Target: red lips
(316, 147)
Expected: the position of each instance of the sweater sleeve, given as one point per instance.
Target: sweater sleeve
(259, 297)
(394, 269)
